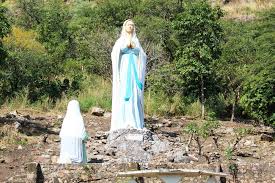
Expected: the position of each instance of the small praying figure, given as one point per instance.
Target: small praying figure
(73, 136)
(128, 64)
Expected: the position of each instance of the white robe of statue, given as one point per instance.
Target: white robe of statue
(73, 135)
(128, 66)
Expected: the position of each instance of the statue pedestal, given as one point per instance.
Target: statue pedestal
(135, 145)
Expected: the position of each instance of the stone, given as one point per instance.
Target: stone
(134, 145)
(60, 117)
(56, 180)
(54, 159)
(181, 157)
(101, 135)
(17, 126)
(249, 143)
(84, 177)
(12, 114)
(31, 167)
(107, 115)
(160, 147)
(244, 154)
(57, 140)
(27, 116)
(109, 152)
(134, 137)
(265, 137)
(97, 111)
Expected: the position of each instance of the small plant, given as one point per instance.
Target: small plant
(87, 168)
(199, 132)
(240, 133)
(233, 169)
(21, 141)
(229, 153)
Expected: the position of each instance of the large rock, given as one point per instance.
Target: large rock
(133, 145)
(97, 111)
(266, 137)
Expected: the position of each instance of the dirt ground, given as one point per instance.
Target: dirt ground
(41, 135)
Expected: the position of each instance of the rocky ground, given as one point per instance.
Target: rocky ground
(29, 149)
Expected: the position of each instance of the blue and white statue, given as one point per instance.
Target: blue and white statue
(128, 63)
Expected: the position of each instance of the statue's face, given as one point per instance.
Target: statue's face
(129, 27)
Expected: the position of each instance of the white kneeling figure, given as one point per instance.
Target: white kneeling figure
(73, 136)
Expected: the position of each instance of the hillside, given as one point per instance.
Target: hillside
(254, 155)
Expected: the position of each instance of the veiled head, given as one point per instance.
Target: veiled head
(128, 28)
(73, 107)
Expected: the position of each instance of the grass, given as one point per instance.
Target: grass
(98, 93)
(194, 109)
(9, 137)
(158, 104)
(238, 9)
(95, 91)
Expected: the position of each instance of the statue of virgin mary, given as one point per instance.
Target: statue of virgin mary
(128, 64)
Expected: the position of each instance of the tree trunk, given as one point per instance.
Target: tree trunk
(202, 99)
(180, 8)
(199, 145)
(233, 110)
(236, 99)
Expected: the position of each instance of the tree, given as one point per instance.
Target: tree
(5, 28)
(258, 97)
(53, 29)
(94, 38)
(199, 36)
(239, 51)
(30, 15)
(28, 67)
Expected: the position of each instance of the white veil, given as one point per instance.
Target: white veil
(73, 124)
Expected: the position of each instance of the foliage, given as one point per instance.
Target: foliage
(239, 134)
(193, 57)
(242, 132)
(4, 30)
(199, 36)
(28, 66)
(238, 53)
(10, 137)
(203, 130)
(97, 94)
(229, 153)
(30, 13)
(4, 24)
(259, 96)
(53, 29)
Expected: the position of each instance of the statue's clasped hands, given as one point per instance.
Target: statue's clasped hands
(131, 44)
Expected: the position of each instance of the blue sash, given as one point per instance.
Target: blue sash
(131, 66)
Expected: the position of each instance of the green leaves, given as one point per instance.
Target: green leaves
(205, 129)
(4, 23)
(258, 97)
(5, 28)
(199, 37)
(53, 29)
(192, 54)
